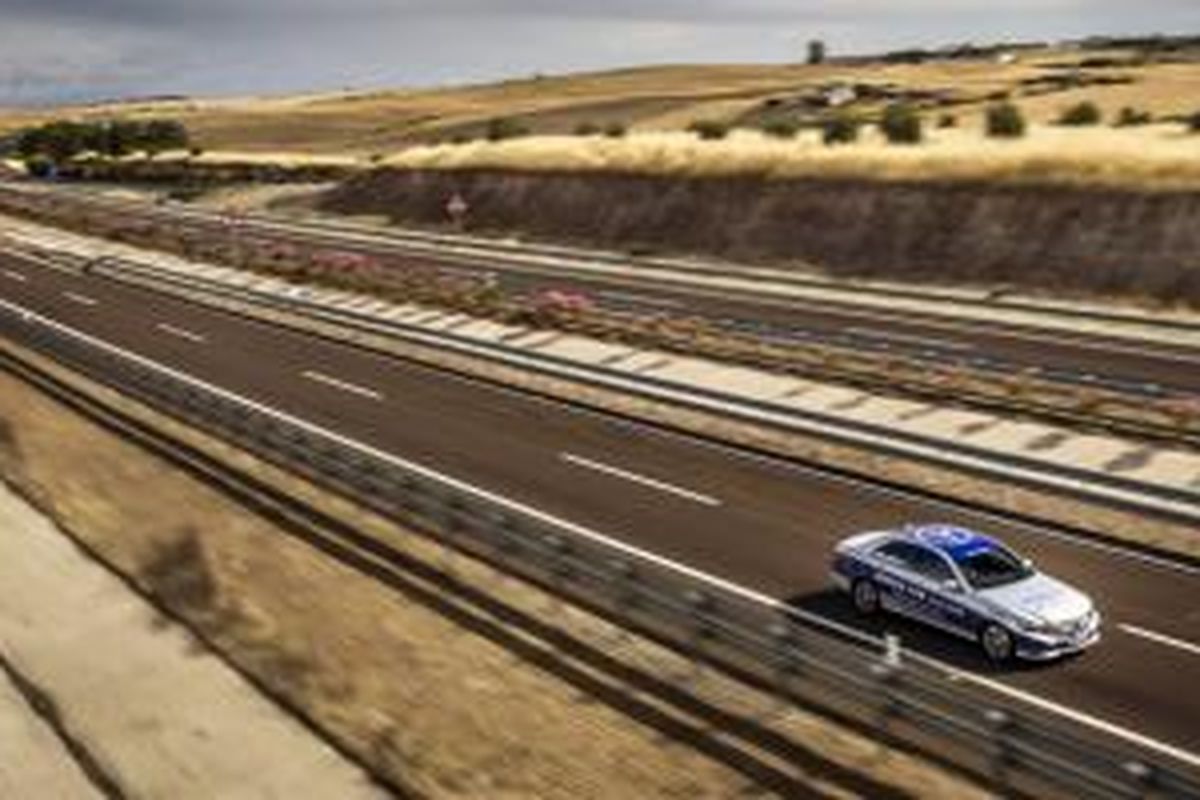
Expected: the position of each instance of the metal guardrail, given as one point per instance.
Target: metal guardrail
(1180, 503)
(777, 647)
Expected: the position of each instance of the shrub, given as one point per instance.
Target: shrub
(39, 166)
(709, 129)
(506, 128)
(1081, 114)
(1130, 117)
(1005, 121)
(195, 152)
(839, 129)
(616, 130)
(901, 124)
(587, 129)
(1194, 123)
(947, 121)
(781, 129)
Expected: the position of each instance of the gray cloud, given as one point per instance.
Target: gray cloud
(53, 49)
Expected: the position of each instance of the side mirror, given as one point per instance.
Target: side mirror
(952, 585)
(1027, 563)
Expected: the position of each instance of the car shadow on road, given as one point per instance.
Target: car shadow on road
(914, 636)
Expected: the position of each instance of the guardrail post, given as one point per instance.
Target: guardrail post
(787, 666)
(1141, 778)
(701, 607)
(560, 566)
(628, 596)
(886, 678)
(1001, 727)
(450, 521)
(892, 652)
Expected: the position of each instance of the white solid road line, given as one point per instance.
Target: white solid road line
(82, 299)
(661, 486)
(1161, 638)
(352, 388)
(782, 607)
(182, 333)
(15, 276)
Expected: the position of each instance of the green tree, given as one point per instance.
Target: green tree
(781, 129)
(1130, 117)
(1004, 121)
(121, 137)
(709, 129)
(63, 140)
(1081, 115)
(901, 124)
(840, 129)
(503, 128)
(158, 135)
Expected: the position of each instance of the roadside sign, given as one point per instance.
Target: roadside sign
(457, 208)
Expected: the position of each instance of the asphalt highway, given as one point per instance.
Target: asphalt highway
(1144, 368)
(764, 524)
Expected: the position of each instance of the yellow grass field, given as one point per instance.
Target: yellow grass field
(1154, 157)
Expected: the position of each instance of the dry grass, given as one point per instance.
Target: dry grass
(1150, 157)
(645, 99)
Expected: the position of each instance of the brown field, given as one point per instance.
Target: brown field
(406, 126)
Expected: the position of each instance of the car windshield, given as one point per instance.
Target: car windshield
(993, 567)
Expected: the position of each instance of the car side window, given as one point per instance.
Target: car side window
(919, 560)
(901, 554)
(931, 565)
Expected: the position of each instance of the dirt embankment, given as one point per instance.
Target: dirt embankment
(1091, 241)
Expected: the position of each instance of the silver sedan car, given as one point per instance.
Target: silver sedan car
(969, 585)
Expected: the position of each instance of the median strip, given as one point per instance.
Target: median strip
(661, 486)
(343, 385)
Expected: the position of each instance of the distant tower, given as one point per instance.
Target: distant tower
(816, 52)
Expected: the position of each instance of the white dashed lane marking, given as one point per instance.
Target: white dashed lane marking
(1161, 638)
(661, 486)
(345, 386)
(81, 299)
(181, 333)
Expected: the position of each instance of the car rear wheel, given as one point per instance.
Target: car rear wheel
(997, 643)
(866, 597)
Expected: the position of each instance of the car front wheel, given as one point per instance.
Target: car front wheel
(997, 643)
(866, 597)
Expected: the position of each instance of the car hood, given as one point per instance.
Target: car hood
(1042, 598)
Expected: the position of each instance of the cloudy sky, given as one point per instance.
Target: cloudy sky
(54, 50)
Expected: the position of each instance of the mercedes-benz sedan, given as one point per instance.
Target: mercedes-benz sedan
(969, 585)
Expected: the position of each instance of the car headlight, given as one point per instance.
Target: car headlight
(1028, 624)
